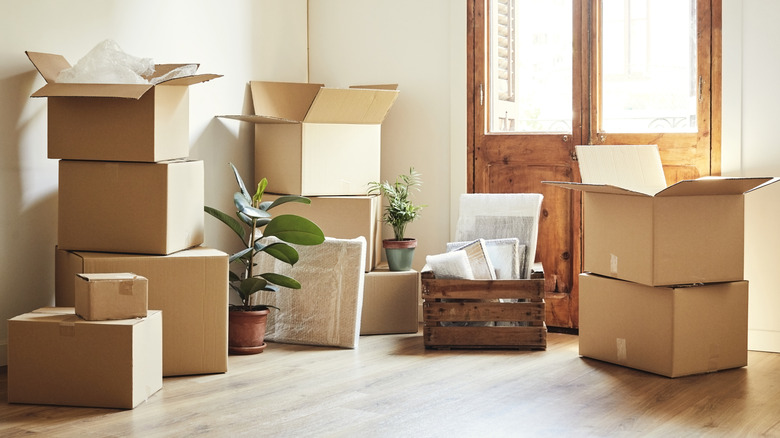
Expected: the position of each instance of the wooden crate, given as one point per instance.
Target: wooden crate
(452, 301)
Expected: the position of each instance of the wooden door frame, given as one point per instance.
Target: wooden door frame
(476, 27)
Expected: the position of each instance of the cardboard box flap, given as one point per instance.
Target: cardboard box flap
(377, 86)
(634, 167)
(354, 106)
(48, 65)
(259, 119)
(714, 186)
(282, 101)
(594, 188)
(123, 91)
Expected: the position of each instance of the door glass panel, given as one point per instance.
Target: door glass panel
(648, 66)
(530, 66)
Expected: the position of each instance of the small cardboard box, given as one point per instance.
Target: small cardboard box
(189, 286)
(140, 208)
(671, 331)
(328, 138)
(121, 295)
(390, 301)
(342, 217)
(637, 229)
(57, 358)
(116, 122)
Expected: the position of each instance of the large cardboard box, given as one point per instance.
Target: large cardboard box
(637, 229)
(390, 302)
(57, 358)
(116, 122)
(120, 295)
(189, 286)
(141, 208)
(671, 331)
(342, 217)
(328, 138)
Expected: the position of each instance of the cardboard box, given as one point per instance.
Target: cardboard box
(342, 217)
(390, 301)
(637, 229)
(328, 138)
(140, 208)
(116, 122)
(101, 297)
(189, 286)
(671, 331)
(57, 358)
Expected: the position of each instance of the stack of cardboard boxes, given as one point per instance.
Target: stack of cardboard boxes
(664, 289)
(325, 143)
(130, 203)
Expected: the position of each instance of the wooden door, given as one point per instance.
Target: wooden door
(509, 161)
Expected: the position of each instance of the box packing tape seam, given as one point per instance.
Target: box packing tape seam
(613, 264)
(714, 359)
(126, 287)
(622, 354)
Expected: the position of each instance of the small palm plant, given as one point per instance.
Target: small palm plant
(400, 210)
(253, 225)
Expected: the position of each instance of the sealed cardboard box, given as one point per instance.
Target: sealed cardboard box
(328, 138)
(121, 295)
(57, 358)
(116, 122)
(390, 302)
(342, 217)
(671, 331)
(189, 286)
(140, 208)
(637, 229)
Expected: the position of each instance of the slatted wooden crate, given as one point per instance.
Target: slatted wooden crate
(475, 301)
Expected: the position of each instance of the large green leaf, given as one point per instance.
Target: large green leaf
(244, 206)
(283, 200)
(239, 254)
(294, 229)
(240, 182)
(281, 280)
(281, 251)
(251, 285)
(227, 220)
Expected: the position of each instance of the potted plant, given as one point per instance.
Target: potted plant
(253, 224)
(398, 213)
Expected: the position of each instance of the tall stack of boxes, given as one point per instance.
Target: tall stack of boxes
(325, 143)
(130, 217)
(663, 289)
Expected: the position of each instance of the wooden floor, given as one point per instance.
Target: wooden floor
(391, 386)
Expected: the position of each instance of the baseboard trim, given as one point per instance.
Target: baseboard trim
(764, 340)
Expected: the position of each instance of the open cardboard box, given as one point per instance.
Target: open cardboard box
(328, 138)
(637, 229)
(116, 122)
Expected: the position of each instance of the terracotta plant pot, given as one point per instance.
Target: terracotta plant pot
(400, 253)
(246, 331)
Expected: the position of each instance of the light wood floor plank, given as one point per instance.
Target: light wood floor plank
(391, 386)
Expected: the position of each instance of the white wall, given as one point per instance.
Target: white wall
(750, 33)
(241, 39)
(421, 46)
